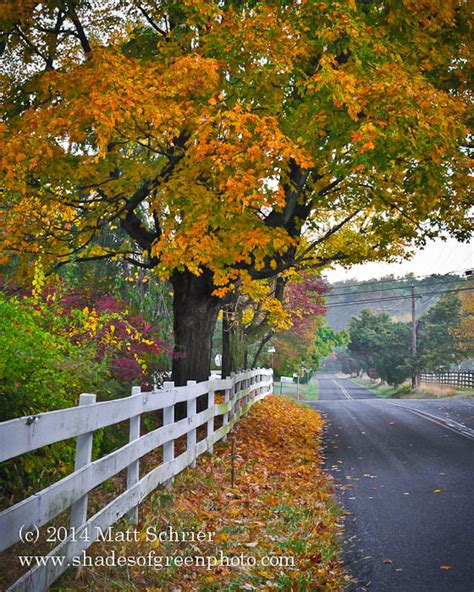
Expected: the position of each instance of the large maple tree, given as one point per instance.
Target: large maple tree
(222, 143)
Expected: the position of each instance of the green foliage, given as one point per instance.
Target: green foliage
(382, 347)
(367, 334)
(393, 360)
(39, 371)
(437, 345)
(69, 339)
(325, 343)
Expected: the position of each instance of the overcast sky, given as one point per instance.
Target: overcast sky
(436, 257)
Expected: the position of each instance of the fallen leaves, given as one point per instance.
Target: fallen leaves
(280, 507)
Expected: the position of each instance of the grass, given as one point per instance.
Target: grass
(404, 391)
(305, 392)
(279, 507)
(385, 391)
(439, 391)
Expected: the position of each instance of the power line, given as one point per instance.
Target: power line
(453, 281)
(405, 279)
(390, 298)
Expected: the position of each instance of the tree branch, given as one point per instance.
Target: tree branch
(152, 23)
(31, 44)
(80, 29)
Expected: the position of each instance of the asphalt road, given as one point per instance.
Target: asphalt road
(404, 472)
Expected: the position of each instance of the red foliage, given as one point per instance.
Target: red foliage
(132, 346)
(305, 298)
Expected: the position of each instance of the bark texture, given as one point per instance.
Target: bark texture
(195, 315)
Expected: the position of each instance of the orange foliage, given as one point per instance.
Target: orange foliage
(232, 137)
(280, 505)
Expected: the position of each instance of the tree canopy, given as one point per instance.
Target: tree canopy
(231, 141)
(184, 122)
(439, 349)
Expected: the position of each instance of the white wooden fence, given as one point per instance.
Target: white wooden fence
(461, 379)
(24, 434)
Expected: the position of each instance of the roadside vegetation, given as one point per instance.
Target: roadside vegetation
(56, 343)
(381, 347)
(304, 392)
(404, 391)
(263, 494)
(383, 390)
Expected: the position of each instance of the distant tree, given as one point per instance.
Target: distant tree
(379, 344)
(393, 360)
(348, 364)
(367, 334)
(463, 335)
(438, 347)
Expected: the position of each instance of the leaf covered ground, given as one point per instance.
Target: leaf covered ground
(278, 511)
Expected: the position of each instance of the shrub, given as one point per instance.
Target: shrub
(40, 371)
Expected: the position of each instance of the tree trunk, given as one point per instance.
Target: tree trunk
(233, 344)
(265, 339)
(246, 358)
(195, 315)
(226, 351)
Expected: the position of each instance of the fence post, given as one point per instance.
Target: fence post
(232, 399)
(225, 420)
(83, 457)
(168, 418)
(238, 403)
(133, 470)
(210, 423)
(191, 412)
(235, 410)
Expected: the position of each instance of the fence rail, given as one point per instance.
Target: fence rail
(25, 434)
(460, 379)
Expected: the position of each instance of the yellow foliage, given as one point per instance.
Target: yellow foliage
(238, 138)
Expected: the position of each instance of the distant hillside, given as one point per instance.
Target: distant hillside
(391, 295)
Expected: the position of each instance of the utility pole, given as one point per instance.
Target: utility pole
(414, 376)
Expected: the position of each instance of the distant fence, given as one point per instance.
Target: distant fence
(461, 379)
(24, 434)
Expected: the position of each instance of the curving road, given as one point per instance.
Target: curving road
(405, 475)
